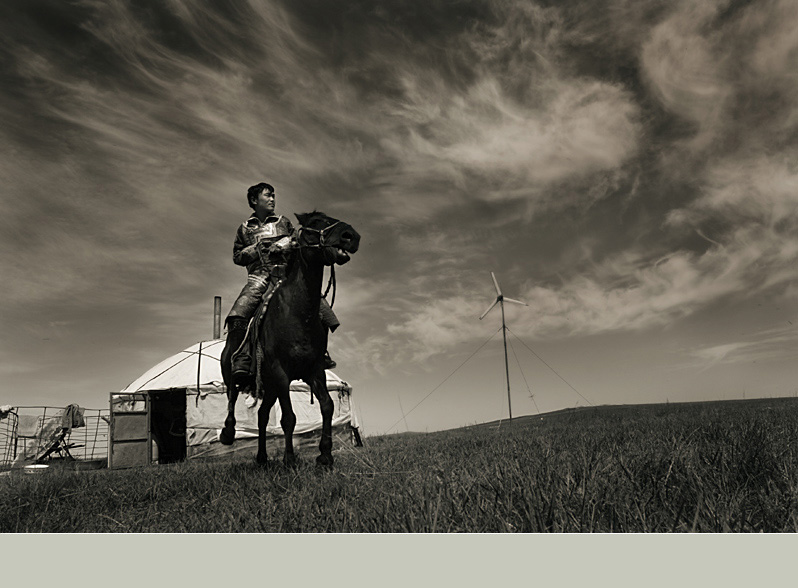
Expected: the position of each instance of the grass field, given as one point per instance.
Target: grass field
(724, 466)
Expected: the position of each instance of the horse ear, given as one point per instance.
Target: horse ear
(301, 218)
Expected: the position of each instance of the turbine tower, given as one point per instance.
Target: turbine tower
(500, 299)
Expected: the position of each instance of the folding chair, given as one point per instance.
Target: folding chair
(42, 436)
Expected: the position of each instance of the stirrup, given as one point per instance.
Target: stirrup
(243, 379)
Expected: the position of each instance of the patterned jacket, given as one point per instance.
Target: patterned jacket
(246, 251)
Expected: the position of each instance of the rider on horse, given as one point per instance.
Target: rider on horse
(260, 245)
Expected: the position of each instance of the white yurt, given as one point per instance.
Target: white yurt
(187, 405)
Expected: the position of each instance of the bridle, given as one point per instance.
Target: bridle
(320, 245)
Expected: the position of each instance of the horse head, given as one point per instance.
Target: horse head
(335, 239)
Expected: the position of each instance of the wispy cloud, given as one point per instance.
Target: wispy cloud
(766, 345)
(626, 293)
(684, 68)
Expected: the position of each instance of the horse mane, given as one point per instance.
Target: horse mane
(303, 216)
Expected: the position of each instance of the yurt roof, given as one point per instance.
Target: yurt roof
(197, 366)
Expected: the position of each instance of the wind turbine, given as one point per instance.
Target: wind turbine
(500, 299)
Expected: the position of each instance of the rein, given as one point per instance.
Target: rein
(332, 283)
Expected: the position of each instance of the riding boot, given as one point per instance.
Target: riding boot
(331, 322)
(241, 356)
(328, 361)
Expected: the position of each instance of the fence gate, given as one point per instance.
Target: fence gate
(131, 440)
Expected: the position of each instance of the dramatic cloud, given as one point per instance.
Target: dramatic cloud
(623, 166)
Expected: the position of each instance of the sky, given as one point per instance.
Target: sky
(628, 168)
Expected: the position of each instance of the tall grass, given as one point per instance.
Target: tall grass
(664, 468)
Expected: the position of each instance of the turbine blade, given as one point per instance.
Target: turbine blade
(495, 283)
(516, 301)
(495, 302)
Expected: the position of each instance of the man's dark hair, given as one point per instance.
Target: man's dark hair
(254, 191)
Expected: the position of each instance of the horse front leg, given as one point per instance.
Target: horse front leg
(228, 434)
(318, 385)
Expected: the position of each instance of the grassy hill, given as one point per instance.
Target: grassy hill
(712, 466)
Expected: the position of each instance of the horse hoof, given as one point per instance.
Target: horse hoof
(325, 461)
(227, 436)
(291, 462)
(262, 460)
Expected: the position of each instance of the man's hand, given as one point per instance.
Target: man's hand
(281, 245)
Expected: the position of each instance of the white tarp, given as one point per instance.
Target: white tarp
(198, 371)
(196, 366)
(204, 411)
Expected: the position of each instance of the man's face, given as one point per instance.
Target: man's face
(266, 201)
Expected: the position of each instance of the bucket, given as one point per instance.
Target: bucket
(37, 468)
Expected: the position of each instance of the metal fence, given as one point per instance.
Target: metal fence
(38, 434)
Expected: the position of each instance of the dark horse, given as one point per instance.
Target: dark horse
(291, 336)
